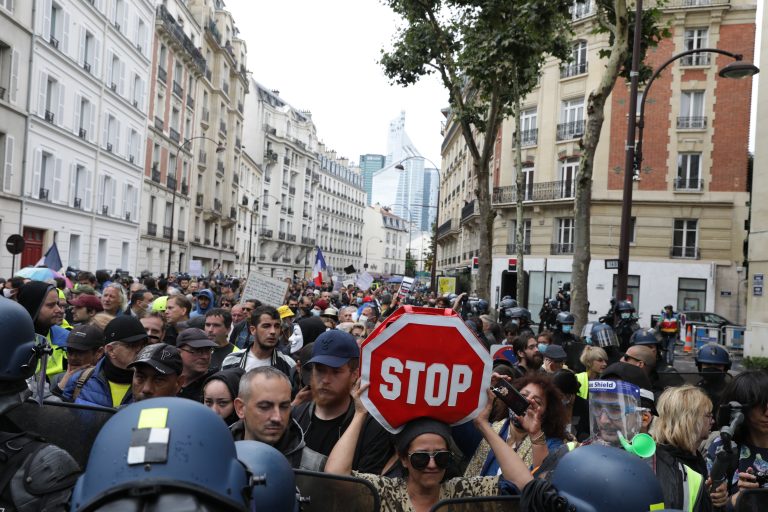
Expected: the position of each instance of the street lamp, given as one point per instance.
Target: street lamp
(250, 234)
(220, 148)
(399, 167)
(365, 266)
(738, 69)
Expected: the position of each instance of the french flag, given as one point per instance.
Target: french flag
(319, 268)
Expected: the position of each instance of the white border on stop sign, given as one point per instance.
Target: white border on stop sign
(431, 320)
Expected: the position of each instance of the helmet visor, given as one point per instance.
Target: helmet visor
(614, 406)
(605, 338)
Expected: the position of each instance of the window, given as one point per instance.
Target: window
(692, 110)
(569, 168)
(691, 294)
(512, 243)
(134, 147)
(564, 236)
(138, 92)
(152, 208)
(695, 38)
(9, 72)
(74, 251)
(633, 290)
(141, 35)
(85, 120)
(88, 55)
(101, 254)
(55, 25)
(111, 133)
(580, 9)
(106, 195)
(7, 5)
(168, 214)
(6, 159)
(50, 104)
(578, 62)
(689, 172)
(130, 199)
(115, 74)
(528, 130)
(80, 188)
(120, 13)
(571, 119)
(46, 183)
(172, 165)
(685, 239)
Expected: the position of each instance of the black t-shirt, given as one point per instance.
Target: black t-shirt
(322, 435)
(219, 353)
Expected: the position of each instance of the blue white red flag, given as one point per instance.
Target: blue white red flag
(319, 269)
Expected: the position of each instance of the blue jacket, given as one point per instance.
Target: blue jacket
(95, 391)
(197, 310)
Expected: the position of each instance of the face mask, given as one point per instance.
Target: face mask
(293, 309)
(543, 347)
(567, 328)
(626, 315)
(359, 300)
(315, 312)
(7, 293)
(363, 319)
(712, 375)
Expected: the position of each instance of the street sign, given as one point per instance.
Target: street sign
(424, 362)
(512, 265)
(15, 244)
(612, 264)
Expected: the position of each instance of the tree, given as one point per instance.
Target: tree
(487, 54)
(612, 17)
(410, 264)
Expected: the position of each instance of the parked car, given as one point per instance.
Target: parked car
(706, 317)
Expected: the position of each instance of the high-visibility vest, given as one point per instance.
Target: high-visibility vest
(691, 487)
(583, 379)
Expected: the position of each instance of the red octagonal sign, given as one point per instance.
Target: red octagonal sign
(424, 362)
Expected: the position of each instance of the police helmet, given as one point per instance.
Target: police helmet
(564, 318)
(603, 335)
(519, 313)
(17, 345)
(481, 307)
(507, 303)
(586, 332)
(624, 306)
(644, 337)
(273, 484)
(554, 303)
(158, 446)
(633, 485)
(712, 353)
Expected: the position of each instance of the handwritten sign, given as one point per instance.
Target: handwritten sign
(364, 281)
(268, 290)
(446, 286)
(195, 267)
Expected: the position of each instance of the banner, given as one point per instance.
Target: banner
(364, 281)
(446, 286)
(195, 267)
(268, 290)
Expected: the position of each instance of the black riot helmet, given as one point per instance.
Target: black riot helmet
(565, 318)
(712, 353)
(19, 342)
(623, 307)
(522, 315)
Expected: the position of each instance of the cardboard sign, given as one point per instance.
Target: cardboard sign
(424, 362)
(268, 290)
(195, 267)
(446, 286)
(405, 287)
(364, 281)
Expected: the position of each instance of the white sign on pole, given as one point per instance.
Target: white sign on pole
(195, 267)
(364, 281)
(268, 290)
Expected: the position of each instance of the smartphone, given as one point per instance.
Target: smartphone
(512, 397)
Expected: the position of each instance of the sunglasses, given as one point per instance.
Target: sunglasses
(627, 357)
(420, 460)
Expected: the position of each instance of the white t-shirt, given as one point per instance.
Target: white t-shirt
(252, 361)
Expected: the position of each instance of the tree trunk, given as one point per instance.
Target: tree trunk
(519, 195)
(486, 231)
(582, 255)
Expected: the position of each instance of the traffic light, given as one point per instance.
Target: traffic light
(512, 267)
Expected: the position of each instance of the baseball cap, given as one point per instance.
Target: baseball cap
(83, 289)
(195, 338)
(321, 304)
(161, 357)
(85, 337)
(124, 328)
(284, 311)
(555, 353)
(87, 301)
(334, 348)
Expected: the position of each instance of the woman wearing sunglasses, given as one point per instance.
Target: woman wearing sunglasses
(423, 447)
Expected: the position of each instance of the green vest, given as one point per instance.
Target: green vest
(583, 379)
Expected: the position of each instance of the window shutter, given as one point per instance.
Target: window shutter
(78, 106)
(72, 184)
(46, 18)
(65, 33)
(8, 164)
(121, 78)
(41, 89)
(14, 86)
(100, 194)
(125, 199)
(117, 147)
(88, 190)
(62, 93)
(58, 182)
(35, 182)
(105, 131)
(109, 78)
(112, 202)
(96, 64)
(81, 50)
(92, 121)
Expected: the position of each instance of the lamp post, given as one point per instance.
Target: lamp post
(399, 167)
(365, 266)
(633, 160)
(220, 148)
(250, 231)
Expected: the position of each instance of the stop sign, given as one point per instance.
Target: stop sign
(424, 362)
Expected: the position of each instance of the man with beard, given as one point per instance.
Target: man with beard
(334, 364)
(84, 308)
(263, 405)
(529, 359)
(41, 300)
(265, 330)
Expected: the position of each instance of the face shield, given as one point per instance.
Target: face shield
(604, 336)
(614, 406)
(586, 332)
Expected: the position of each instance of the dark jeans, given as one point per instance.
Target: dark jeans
(668, 340)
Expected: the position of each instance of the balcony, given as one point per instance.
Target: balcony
(572, 130)
(82, 133)
(232, 212)
(281, 235)
(155, 173)
(87, 67)
(44, 194)
(546, 191)
(190, 101)
(128, 216)
(170, 182)
(679, 251)
(573, 69)
(178, 90)
(688, 185)
(217, 205)
(184, 188)
(512, 248)
(177, 32)
(159, 124)
(199, 200)
(292, 191)
(54, 42)
(2, 93)
(105, 210)
(699, 59)
(529, 137)
(691, 123)
(78, 203)
(468, 211)
(307, 241)
(445, 228)
(174, 135)
(291, 238)
(561, 248)
(49, 116)
(109, 147)
(167, 232)
(151, 229)
(162, 74)
(181, 235)
(220, 167)
(684, 4)
(266, 233)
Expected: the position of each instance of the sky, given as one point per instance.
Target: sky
(322, 56)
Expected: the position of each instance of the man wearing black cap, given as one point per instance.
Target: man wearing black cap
(196, 350)
(157, 372)
(334, 364)
(108, 384)
(554, 358)
(85, 346)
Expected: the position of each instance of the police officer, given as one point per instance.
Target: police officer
(505, 305)
(713, 362)
(34, 475)
(522, 317)
(274, 486)
(625, 323)
(662, 376)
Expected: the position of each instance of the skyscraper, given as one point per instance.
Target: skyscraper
(369, 164)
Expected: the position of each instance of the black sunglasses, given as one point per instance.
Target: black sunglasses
(420, 460)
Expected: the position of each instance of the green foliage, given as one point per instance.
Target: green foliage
(410, 264)
(755, 363)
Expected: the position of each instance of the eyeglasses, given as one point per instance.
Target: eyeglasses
(627, 357)
(202, 351)
(420, 460)
(613, 411)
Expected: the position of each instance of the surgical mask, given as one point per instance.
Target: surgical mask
(7, 293)
(567, 328)
(626, 315)
(359, 300)
(542, 347)
(315, 312)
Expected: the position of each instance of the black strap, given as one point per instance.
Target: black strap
(84, 376)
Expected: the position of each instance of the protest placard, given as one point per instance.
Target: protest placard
(268, 290)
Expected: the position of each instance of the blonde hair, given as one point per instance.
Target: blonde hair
(681, 413)
(592, 354)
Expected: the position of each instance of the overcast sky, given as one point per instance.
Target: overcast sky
(322, 56)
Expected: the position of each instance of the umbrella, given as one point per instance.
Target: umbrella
(38, 273)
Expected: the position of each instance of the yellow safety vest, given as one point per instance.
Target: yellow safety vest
(691, 488)
(583, 379)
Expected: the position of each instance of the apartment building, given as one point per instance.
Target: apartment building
(690, 198)
(385, 238)
(15, 49)
(84, 151)
(178, 67)
(250, 181)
